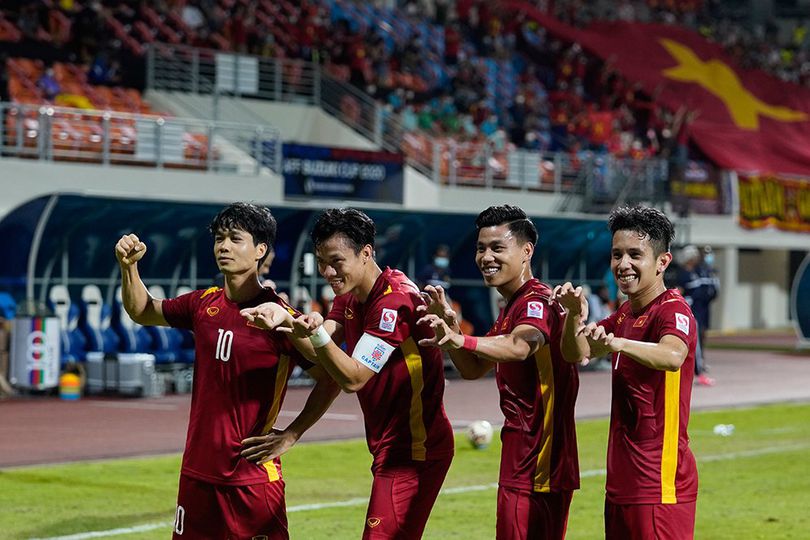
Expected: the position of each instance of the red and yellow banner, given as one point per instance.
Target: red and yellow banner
(746, 120)
(773, 201)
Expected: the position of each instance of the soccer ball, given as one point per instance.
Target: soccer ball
(479, 433)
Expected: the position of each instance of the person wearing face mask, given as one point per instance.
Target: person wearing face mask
(699, 285)
(437, 272)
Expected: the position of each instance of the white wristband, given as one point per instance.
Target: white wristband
(320, 338)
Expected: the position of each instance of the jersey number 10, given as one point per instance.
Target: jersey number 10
(224, 343)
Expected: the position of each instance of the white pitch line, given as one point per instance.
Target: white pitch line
(447, 491)
(111, 532)
(134, 405)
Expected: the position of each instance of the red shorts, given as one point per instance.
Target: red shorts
(402, 497)
(219, 512)
(526, 515)
(642, 521)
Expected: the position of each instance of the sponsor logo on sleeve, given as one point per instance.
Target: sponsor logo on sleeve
(388, 320)
(535, 309)
(682, 323)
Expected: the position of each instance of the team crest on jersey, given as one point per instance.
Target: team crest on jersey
(212, 310)
(348, 313)
(534, 309)
(640, 321)
(373, 522)
(682, 323)
(388, 320)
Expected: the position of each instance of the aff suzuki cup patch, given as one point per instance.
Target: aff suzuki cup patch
(372, 352)
(535, 309)
(388, 320)
(682, 323)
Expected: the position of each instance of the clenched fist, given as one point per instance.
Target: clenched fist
(129, 250)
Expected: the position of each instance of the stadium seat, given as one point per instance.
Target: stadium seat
(8, 307)
(72, 340)
(95, 321)
(187, 344)
(133, 337)
(165, 341)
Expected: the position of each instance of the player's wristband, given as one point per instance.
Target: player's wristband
(470, 343)
(320, 338)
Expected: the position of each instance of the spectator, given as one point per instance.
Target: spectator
(437, 272)
(48, 84)
(103, 70)
(698, 288)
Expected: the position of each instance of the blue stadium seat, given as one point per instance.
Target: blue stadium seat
(95, 321)
(187, 344)
(133, 338)
(8, 307)
(165, 341)
(73, 342)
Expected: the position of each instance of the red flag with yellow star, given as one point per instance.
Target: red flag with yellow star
(745, 120)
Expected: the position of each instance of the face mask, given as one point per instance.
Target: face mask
(709, 259)
(441, 262)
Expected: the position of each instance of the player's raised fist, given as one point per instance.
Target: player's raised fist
(129, 250)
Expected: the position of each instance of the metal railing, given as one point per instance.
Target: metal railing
(444, 160)
(113, 138)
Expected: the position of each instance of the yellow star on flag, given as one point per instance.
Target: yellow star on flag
(722, 81)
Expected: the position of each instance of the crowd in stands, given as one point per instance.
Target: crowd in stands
(781, 51)
(459, 69)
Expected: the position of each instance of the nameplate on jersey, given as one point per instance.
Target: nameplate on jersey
(682, 323)
(534, 309)
(372, 352)
(388, 320)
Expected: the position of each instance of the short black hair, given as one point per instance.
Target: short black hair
(646, 221)
(256, 220)
(519, 223)
(353, 224)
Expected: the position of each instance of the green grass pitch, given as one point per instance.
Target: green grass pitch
(753, 484)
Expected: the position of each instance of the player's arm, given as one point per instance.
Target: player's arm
(304, 345)
(573, 345)
(272, 316)
(269, 446)
(475, 356)
(138, 303)
(349, 372)
(666, 355)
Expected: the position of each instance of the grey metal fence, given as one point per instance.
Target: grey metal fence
(112, 138)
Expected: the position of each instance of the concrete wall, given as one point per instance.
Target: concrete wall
(296, 122)
(23, 180)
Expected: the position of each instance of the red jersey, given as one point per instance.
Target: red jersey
(537, 399)
(240, 378)
(402, 404)
(649, 460)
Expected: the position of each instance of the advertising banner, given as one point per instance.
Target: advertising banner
(320, 172)
(772, 201)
